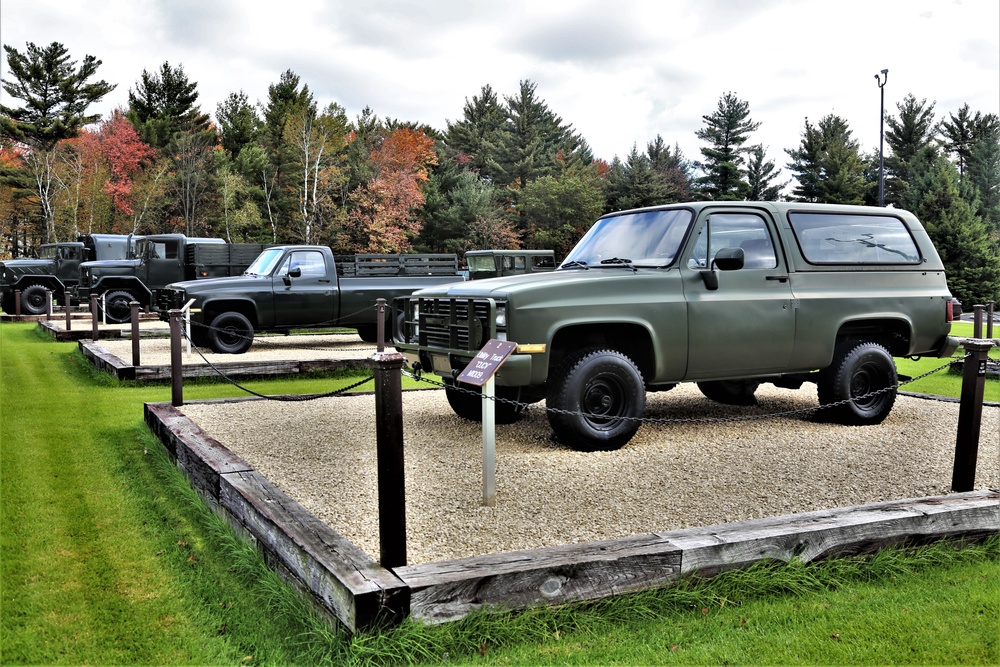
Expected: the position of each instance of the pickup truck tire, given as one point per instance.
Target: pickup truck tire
(600, 396)
(467, 403)
(231, 333)
(33, 300)
(730, 392)
(368, 333)
(116, 304)
(861, 370)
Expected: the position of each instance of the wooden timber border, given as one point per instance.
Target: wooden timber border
(109, 363)
(348, 585)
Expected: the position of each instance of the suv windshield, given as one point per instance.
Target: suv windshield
(646, 239)
(265, 262)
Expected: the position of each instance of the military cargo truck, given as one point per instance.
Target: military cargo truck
(160, 259)
(499, 263)
(56, 269)
(725, 294)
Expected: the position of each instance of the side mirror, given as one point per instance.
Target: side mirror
(727, 259)
(292, 273)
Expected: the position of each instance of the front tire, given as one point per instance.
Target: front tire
(231, 333)
(117, 306)
(467, 402)
(852, 380)
(33, 300)
(600, 396)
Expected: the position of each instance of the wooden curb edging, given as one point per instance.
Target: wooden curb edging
(104, 361)
(348, 585)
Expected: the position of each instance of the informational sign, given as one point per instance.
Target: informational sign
(486, 362)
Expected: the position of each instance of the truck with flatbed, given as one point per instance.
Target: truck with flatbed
(293, 287)
(728, 295)
(158, 260)
(56, 269)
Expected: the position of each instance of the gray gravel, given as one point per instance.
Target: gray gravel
(671, 475)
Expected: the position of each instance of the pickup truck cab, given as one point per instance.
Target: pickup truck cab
(725, 294)
(300, 287)
(499, 263)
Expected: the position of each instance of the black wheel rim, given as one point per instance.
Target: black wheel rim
(604, 402)
(230, 336)
(35, 300)
(119, 309)
(869, 377)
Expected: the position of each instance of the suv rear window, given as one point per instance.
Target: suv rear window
(841, 238)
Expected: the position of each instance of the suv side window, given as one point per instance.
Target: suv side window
(735, 230)
(840, 238)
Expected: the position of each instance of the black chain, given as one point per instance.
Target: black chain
(285, 399)
(664, 420)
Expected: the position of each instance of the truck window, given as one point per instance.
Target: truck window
(309, 262)
(543, 262)
(735, 230)
(841, 238)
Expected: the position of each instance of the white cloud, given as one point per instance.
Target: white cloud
(620, 72)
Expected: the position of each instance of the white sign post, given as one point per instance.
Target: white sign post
(480, 372)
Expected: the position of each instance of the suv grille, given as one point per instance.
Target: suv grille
(456, 324)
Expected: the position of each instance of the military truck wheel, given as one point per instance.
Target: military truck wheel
(116, 305)
(467, 403)
(853, 377)
(231, 333)
(601, 396)
(730, 392)
(33, 300)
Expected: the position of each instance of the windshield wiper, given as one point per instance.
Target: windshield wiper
(627, 263)
(576, 263)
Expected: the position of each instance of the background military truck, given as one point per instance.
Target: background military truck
(725, 294)
(161, 259)
(301, 287)
(56, 268)
(498, 263)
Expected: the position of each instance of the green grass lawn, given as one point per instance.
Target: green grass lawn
(108, 557)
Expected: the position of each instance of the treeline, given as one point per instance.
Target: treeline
(509, 173)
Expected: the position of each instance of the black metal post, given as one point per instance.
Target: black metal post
(135, 333)
(69, 312)
(881, 137)
(94, 319)
(389, 444)
(970, 414)
(977, 321)
(989, 319)
(176, 366)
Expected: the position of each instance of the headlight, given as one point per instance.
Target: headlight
(415, 330)
(501, 316)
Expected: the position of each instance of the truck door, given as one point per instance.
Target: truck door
(305, 289)
(747, 325)
(162, 264)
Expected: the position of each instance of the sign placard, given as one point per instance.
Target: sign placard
(486, 362)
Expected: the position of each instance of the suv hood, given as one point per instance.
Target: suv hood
(535, 283)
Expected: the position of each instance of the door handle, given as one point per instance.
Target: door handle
(780, 279)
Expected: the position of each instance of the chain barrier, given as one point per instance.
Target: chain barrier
(664, 420)
(283, 399)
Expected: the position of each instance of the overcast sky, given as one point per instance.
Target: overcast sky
(620, 72)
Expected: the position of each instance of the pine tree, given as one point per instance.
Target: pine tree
(911, 141)
(163, 104)
(634, 183)
(674, 170)
(761, 174)
(828, 165)
(481, 134)
(239, 124)
(56, 95)
(726, 131)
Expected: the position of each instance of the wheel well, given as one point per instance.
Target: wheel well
(894, 335)
(630, 339)
(48, 282)
(137, 289)
(213, 309)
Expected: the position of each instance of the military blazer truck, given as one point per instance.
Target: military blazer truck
(725, 294)
(301, 287)
(56, 268)
(158, 260)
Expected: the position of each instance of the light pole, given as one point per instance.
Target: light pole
(881, 137)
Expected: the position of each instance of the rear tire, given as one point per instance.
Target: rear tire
(863, 369)
(231, 333)
(602, 396)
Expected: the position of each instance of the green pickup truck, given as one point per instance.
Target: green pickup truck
(301, 287)
(725, 294)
